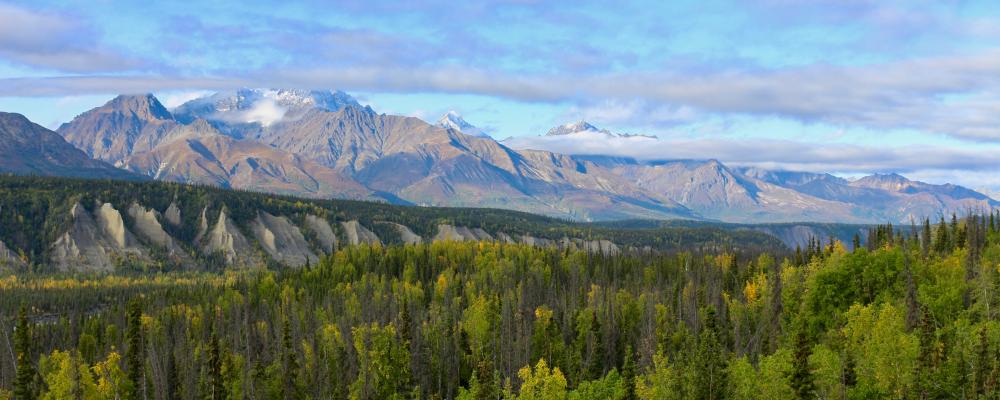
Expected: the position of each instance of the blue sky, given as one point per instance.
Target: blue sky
(844, 86)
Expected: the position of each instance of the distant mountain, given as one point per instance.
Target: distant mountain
(27, 148)
(248, 112)
(325, 144)
(201, 154)
(125, 125)
(138, 134)
(452, 120)
(583, 128)
(429, 165)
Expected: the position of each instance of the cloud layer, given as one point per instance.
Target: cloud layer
(55, 42)
(923, 66)
(772, 154)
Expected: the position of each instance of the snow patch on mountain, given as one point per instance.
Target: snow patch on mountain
(263, 106)
(581, 138)
(453, 120)
(586, 129)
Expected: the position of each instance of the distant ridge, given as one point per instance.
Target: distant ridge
(325, 144)
(27, 148)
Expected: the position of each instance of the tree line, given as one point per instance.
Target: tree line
(908, 314)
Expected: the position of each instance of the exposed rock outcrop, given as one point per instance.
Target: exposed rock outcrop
(202, 225)
(110, 221)
(91, 245)
(9, 259)
(590, 246)
(406, 235)
(282, 240)
(324, 233)
(357, 233)
(537, 242)
(482, 235)
(226, 238)
(505, 238)
(456, 233)
(147, 225)
(173, 215)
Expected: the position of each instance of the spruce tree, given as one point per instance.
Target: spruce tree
(24, 382)
(711, 380)
(290, 389)
(172, 391)
(216, 384)
(135, 366)
(628, 374)
(802, 379)
(925, 238)
(486, 387)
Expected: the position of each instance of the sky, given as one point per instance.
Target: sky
(849, 87)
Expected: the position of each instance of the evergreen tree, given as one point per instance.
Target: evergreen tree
(486, 386)
(290, 389)
(629, 374)
(711, 381)
(134, 359)
(172, 391)
(942, 244)
(802, 378)
(216, 383)
(983, 364)
(24, 383)
(925, 238)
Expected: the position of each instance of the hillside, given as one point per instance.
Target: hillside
(73, 225)
(27, 148)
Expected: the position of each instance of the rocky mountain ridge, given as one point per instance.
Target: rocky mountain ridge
(29, 149)
(100, 239)
(325, 144)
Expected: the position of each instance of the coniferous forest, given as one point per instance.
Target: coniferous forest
(905, 315)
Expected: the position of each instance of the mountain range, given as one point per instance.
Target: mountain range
(325, 144)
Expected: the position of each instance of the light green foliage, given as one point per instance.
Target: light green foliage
(383, 362)
(768, 381)
(542, 383)
(610, 387)
(67, 377)
(661, 382)
(828, 369)
(112, 382)
(885, 353)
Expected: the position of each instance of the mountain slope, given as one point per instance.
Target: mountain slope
(430, 165)
(125, 125)
(94, 225)
(27, 148)
(325, 144)
(452, 120)
(248, 113)
(200, 154)
(138, 134)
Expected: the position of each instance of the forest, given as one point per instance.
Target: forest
(907, 314)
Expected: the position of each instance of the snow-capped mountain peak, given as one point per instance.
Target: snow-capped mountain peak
(453, 120)
(263, 106)
(585, 128)
(576, 127)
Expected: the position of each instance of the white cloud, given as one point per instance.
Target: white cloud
(952, 95)
(54, 41)
(173, 99)
(974, 168)
(265, 111)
